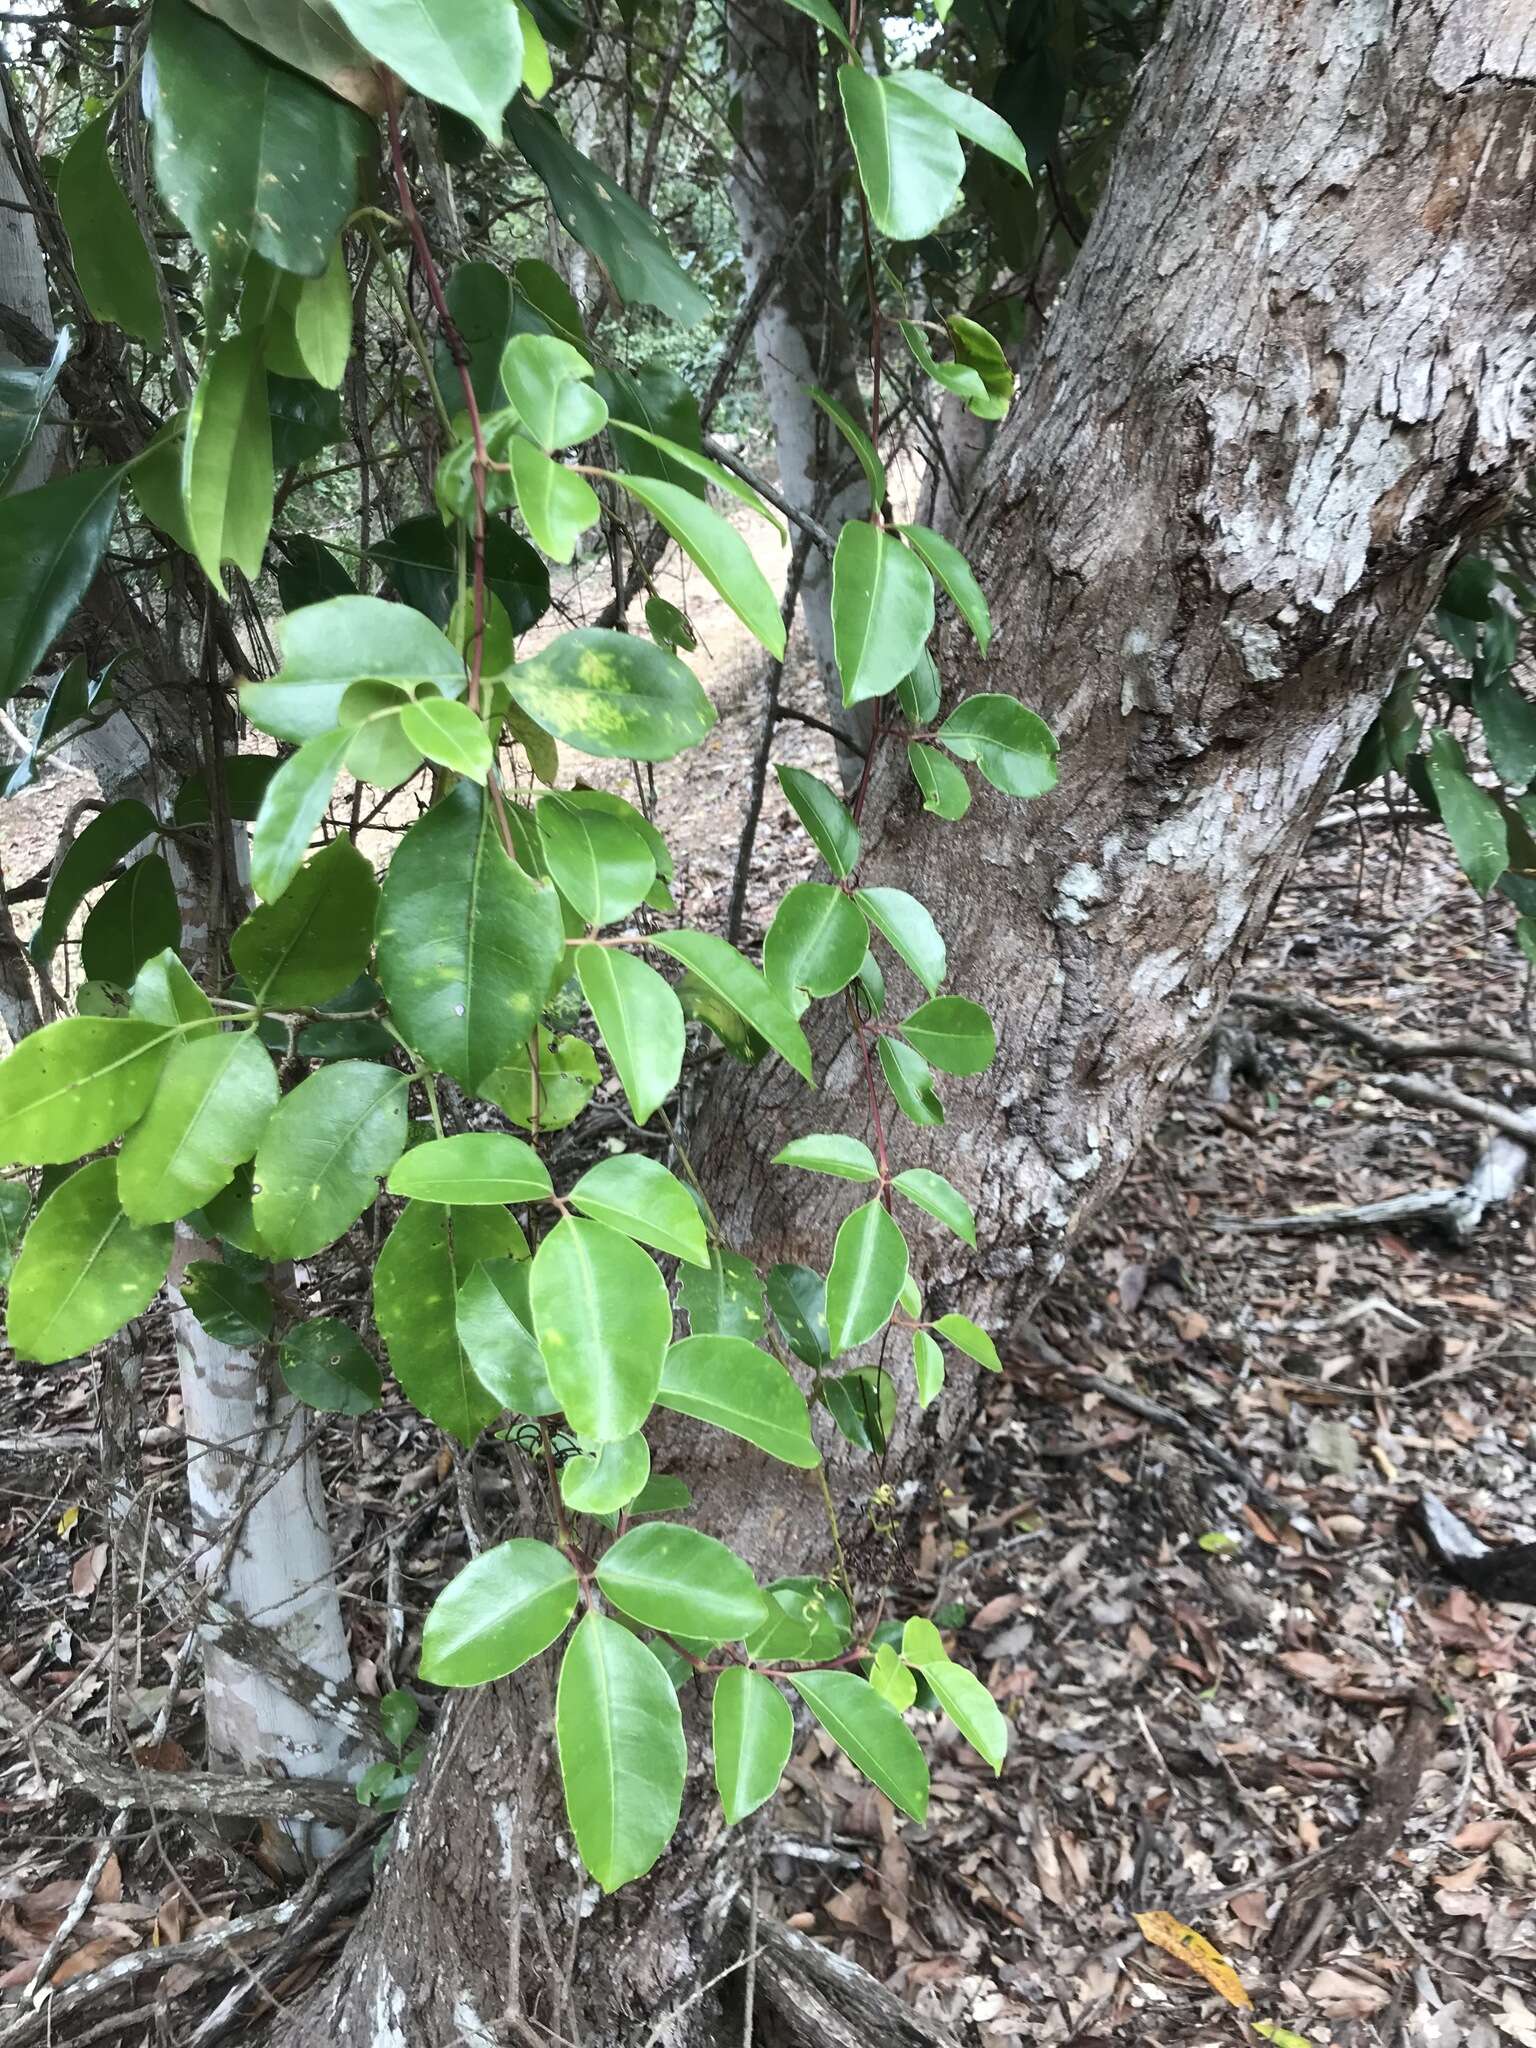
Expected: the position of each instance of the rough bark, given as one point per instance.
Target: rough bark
(1288, 374)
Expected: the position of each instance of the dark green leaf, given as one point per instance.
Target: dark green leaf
(825, 818)
(1470, 815)
(51, 544)
(111, 261)
(231, 1303)
(326, 1367)
(953, 572)
(932, 1193)
(798, 1297)
(910, 1079)
(908, 930)
(953, 1034)
(137, 918)
(882, 610)
(316, 938)
(420, 557)
(725, 1300)
(426, 1260)
(856, 434)
(1015, 750)
(816, 942)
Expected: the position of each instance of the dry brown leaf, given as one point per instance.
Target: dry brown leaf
(1464, 1879)
(1347, 1998)
(91, 1957)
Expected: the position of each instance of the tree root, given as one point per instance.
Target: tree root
(1496, 1051)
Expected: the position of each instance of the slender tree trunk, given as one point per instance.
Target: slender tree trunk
(26, 319)
(1290, 372)
(781, 189)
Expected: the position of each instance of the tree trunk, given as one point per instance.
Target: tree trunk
(782, 193)
(1288, 374)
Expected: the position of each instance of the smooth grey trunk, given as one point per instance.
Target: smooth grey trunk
(780, 188)
(24, 297)
(1289, 374)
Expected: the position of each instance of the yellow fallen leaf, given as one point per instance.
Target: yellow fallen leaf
(67, 1520)
(1282, 2037)
(1175, 1939)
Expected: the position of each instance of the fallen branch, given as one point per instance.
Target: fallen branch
(1503, 1571)
(1458, 1211)
(1517, 1124)
(1496, 1051)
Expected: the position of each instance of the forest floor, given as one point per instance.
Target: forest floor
(1254, 1707)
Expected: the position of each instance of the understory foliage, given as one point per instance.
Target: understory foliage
(242, 200)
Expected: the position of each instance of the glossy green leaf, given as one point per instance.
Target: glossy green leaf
(934, 1195)
(798, 1297)
(472, 1170)
(330, 646)
(856, 434)
(421, 559)
(637, 1195)
(909, 930)
(826, 16)
(891, 1678)
(825, 817)
(297, 798)
(78, 1084)
(467, 942)
(863, 1405)
(813, 1621)
(724, 1299)
(249, 155)
(84, 1269)
(945, 790)
(816, 942)
(653, 399)
(231, 1302)
(1509, 728)
(869, 1264)
(495, 1327)
(910, 163)
(226, 459)
(164, 993)
(882, 610)
(327, 1367)
(967, 1703)
(51, 544)
(138, 917)
(613, 695)
(111, 262)
(599, 863)
(871, 1733)
(603, 1322)
(602, 1482)
(722, 968)
(550, 1094)
(501, 1611)
(685, 469)
(548, 384)
(603, 218)
(1015, 750)
(316, 938)
(449, 732)
(953, 573)
(919, 692)
(728, 1382)
(910, 1080)
(641, 1024)
(921, 1643)
(465, 54)
(623, 1759)
(720, 554)
(977, 349)
(927, 1368)
(668, 1576)
(426, 1260)
(326, 1148)
(953, 1034)
(753, 1732)
(973, 118)
(557, 505)
(830, 1152)
(960, 378)
(309, 333)
(304, 419)
(970, 1338)
(1470, 815)
(25, 391)
(207, 1115)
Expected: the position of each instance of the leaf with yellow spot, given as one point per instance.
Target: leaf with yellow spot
(1175, 1939)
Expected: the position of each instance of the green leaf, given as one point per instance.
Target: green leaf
(111, 261)
(78, 1084)
(230, 1302)
(668, 626)
(953, 572)
(826, 16)
(248, 155)
(503, 1609)
(51, 544)
(303, 419)
(557, 505)
(465, 54)
(602, 1482)
(960, 1693)
(244, 780)
(24, 394)
(317, 938)
(980, 351)
(920, 690)
(726, 1300)
(970, 1338)
(600, 864)
(933, 1194)
(209, 1110)
(137, 918)
(909, 161)
(638, 1197)
(467, 943)
(952, 1034)
(326, 1366)
(604, 219)
(164, 993)
(945, 790)
(684, 468)
(927, 1368)
(640, 1021)
(549, 385)
(882, 610)
(421, 558)
(960, 378)
(921, 1643)
(310, 331)
(668, 1576)
(830, 1152)
(871, 1733)
(976, 121)
(473, 1170)
(908, 930)
(15, 1208)
(856, 435)
(825, 818)
(1509, 727)
(891, 1678)
(798, 1297)
(863, 1405)
(297, 798)
(495, 1327)
(813, 1622)
(729, 1383)
(613, 695)
(1015, 750)
(328, 647)
(603, 1322)
(910, 1079)
(426, 1260)
(722, 968)
(398, 1716)
(720, 554)
(325, 1149)
(84, 1269)
(1470, 815)
(816, 942)
(449, 732)
(226, 460)
(869, 1264)
(753, 1732)
(623, 1759)
(567, 1077)
(307, 35)
(654, 405)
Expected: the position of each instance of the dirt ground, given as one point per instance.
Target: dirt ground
(1225, 1690)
